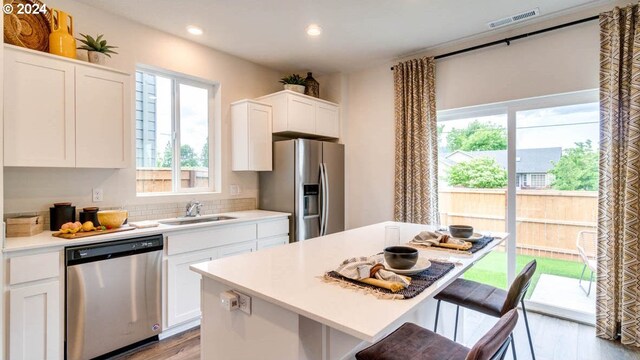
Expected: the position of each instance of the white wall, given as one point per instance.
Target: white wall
(28, 189)
(561, 61)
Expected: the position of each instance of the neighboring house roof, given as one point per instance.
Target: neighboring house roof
(528, 160)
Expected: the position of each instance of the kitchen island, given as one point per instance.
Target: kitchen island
(295, 314)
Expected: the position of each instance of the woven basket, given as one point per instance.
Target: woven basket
(27, 30)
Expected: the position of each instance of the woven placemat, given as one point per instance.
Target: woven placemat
(419, 282)
(481, 244)
(475, 246)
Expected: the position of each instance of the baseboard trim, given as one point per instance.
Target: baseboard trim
(179, 328)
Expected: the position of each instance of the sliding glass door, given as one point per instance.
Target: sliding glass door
(528, 167)
(473, 178)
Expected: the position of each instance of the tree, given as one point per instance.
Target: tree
(165, 160)
(204, 154)
(188, 157)
(577, 168)
(478, 136)
(480, 173)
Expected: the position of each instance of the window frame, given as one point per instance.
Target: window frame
(213, 129)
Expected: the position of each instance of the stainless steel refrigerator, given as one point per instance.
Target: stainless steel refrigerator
(307, 181)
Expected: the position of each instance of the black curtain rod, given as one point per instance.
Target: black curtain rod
(517, 37)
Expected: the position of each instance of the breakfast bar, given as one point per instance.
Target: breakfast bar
(296, 314)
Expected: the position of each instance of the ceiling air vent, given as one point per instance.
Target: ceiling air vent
(514, 18)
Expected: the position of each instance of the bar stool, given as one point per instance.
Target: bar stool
(412, 342)
(489, 300)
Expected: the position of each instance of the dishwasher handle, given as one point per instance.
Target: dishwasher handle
(104, 251)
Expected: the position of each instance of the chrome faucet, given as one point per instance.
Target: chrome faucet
(193, 208)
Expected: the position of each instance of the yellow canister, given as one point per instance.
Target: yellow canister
(61, 40)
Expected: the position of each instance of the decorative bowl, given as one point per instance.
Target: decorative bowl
(461, 231)
(401, 257)
(112, 219)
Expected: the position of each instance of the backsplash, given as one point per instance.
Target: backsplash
(162, 211)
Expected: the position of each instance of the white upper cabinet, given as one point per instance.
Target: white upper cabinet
(327, 120)
(301, 115)
(251, 136)
(295, 113)
(102, 118)
(64, 113)
(39, 119)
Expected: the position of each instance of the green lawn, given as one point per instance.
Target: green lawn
(492, 269)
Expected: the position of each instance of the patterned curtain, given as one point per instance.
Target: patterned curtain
(618, 285)
(416, 173)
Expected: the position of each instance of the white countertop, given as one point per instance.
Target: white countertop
(290, 277)
(45, 240)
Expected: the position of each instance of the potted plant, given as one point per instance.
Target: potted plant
(294, 82)
(97, 48)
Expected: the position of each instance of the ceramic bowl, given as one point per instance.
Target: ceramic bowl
(401, 257)
(461, 231)
(112, 219)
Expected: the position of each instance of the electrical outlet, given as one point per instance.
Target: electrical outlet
(244, 303)
(229, 300)
(98, 194)
(234, 189)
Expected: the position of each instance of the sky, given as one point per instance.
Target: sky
(193, 115)
(550, 127)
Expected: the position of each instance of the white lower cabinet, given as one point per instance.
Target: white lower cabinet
(236, 249)
(272, 242)
(35, 321)
(183, 299)
(35, 289)
(184, 249)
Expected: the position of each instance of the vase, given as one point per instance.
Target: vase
(96, 57)
(312, 87)
(294, 87)
(61, 40)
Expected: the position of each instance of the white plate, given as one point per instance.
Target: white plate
(421, 265)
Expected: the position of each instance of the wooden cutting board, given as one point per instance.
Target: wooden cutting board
(83, 234)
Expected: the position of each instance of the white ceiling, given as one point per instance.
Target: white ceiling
(356, 33)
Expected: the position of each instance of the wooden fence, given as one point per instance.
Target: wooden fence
(548, 221)
(159, 179)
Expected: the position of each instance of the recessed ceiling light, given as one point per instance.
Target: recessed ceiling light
(194, 30)
(314, 30)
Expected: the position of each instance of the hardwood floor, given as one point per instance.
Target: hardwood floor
(184, 346)
(553, 339)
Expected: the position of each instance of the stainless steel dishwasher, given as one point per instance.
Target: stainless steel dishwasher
(113, 297)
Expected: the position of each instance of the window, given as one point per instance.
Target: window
(173, 127)
(538, 180)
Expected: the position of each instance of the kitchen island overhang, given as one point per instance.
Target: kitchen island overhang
(295, 314)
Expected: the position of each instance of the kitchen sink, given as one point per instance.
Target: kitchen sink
(194, 220)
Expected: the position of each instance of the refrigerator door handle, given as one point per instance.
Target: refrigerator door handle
(322, 202)
(326, 198)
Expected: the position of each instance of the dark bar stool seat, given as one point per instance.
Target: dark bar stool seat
(487, 299)
(412, 342)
